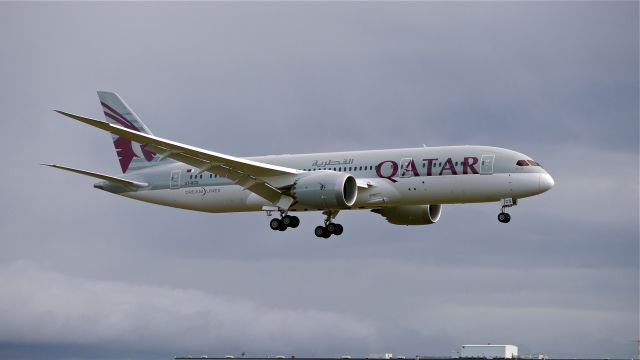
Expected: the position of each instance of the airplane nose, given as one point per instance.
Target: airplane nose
(545, 182)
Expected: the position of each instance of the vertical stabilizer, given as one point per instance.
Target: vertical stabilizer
(131, 155)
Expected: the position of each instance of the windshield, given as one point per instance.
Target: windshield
(527, 163)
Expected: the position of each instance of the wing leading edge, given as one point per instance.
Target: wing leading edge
(262, 179)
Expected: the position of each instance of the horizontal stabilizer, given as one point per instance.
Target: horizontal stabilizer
(109, 178)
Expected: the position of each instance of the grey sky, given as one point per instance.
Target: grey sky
(86, 274)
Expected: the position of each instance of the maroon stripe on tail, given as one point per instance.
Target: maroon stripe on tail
(119, 121)
(127, 124)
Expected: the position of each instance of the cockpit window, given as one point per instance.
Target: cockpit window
(527, 163)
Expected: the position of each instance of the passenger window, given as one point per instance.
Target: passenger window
(360, 168)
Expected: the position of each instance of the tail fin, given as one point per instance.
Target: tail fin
(132, 156)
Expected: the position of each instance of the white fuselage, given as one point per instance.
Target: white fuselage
(386, 178)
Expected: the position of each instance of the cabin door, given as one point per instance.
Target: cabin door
(175, 179)
(486, 164)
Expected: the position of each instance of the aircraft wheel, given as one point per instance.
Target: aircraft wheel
(295, 221)
(335, 229)
(322, 232)
(504, 217)
(276, 224)
(287, 220)
(339, 230)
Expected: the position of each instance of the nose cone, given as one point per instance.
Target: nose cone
(545, 183)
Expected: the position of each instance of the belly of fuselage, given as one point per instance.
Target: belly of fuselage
(380, 193)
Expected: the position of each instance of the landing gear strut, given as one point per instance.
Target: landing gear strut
(285, 222)
(329, 228)
(503, 216)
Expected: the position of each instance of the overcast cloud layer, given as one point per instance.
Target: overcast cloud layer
(85, 274)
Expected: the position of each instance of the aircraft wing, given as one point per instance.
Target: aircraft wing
(259, 178)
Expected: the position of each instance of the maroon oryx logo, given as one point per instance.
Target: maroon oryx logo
(125, 149)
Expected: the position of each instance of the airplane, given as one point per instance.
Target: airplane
(405, 186)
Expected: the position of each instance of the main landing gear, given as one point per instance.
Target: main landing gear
(329, 228)
(290, 221)
(504, 217)
(285, 222)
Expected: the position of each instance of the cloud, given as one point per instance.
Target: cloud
(42, 306)
(399, 306)
(256, 78)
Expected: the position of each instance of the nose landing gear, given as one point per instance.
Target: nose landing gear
(503, 216)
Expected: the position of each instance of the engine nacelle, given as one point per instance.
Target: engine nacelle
(325, 190)
(411, 214)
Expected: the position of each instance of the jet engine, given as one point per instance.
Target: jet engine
(325, 190)
(411, 214)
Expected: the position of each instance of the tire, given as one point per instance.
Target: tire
(339, 230)
(295, 223)
(287, 220)
(502, 217)
(321, 231)
(332, 228)
(276, 224)
(507, 218)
